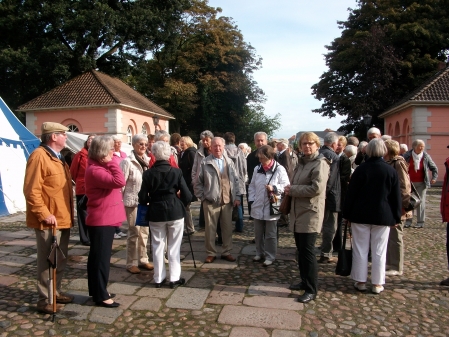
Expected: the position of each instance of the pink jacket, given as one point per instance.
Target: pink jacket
(103, 189)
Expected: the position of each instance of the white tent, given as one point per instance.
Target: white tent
(16, 144)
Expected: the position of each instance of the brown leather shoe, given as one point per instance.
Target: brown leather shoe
(147, 266)
(64, 298)
(210, 259)
(48, 308)
(229, 258)
(133, 270)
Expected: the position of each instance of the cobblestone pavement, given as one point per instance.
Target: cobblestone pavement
(230, 299)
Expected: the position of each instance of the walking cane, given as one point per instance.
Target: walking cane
(191, 249)
(53, 257)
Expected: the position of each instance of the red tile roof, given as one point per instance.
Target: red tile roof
(433, 91)
(93, 89)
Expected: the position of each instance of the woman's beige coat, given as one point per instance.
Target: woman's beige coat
(308, 192)
(401, 167)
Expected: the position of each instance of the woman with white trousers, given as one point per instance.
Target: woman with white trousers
(373, 204)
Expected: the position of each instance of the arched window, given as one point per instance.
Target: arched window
(129, 135)
(144, 129)
(73, 128)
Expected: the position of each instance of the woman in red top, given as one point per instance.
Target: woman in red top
(77, 170)
(419, 164)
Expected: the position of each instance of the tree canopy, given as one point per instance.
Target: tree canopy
(178, 53)
(387, 48)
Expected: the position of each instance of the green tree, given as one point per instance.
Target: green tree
(387, 48)
(44, 43)
(204, 77)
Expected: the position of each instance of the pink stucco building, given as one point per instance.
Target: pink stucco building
(423, 114)
(96, 103)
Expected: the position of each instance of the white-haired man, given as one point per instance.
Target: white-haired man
(218, 189)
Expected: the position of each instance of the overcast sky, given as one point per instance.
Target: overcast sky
(290, 36)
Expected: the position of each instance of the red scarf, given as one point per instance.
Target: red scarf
(269, 166)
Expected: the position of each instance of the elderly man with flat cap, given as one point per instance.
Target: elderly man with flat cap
(49, 203)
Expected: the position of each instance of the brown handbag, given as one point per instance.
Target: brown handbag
(286, 205)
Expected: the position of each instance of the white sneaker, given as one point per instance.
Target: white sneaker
(393, 273)
(360, 286)
(123, 235)
(256, 258)
(117, 236)
(377, 289)
(267, 263)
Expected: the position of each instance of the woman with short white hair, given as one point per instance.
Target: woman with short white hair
(165, 213)
(373, 205)
(133, 167)
(419, 164)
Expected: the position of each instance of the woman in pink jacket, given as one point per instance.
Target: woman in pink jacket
(105, 211)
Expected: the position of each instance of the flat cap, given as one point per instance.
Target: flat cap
(49, 127)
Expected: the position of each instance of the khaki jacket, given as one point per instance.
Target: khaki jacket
(133, 177)
(48, 190)
(401, 167)
(308, 192)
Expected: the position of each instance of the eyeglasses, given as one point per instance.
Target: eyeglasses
(61, 133)
(143, 144)
(307, 143)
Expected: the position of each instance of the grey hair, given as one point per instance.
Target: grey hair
(362, 145)
(260, 133)
(373, 131)
(214, 140)
(115, 137)
(245, 146)
(330, 138)
(403, 147)
(353, 141)
(351, 149)
(206, 134)
(161, 134)
(376, 148)
(100, 147)
(161, 150)
(137, 138)
(386, 137)
(418, 142)
(46, 137)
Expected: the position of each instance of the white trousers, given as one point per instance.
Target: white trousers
(172, 232)
(363, 237)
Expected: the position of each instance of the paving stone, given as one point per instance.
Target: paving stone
(78, 252)
(187, 298)
(148, 304)
(8, 270)
(269, 289)
(78, 284)
(226, 295)
(163, 292)
(260, 317)
(8, 280)
(118, 274)
(249, 250)
(21, 243)
(16, 261)
(273, 302)
(77, 312)
(124, 288)
(248, 332)
(105, 315)
(121, 254)
(10, 249)
(287, 333)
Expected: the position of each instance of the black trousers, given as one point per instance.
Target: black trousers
(82, 227)
(307, 263)
(98, 262)
(338, 238)
(201, 223)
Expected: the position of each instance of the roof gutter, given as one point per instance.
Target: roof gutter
(100, 106)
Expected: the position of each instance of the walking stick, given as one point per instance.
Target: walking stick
(191, 249)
